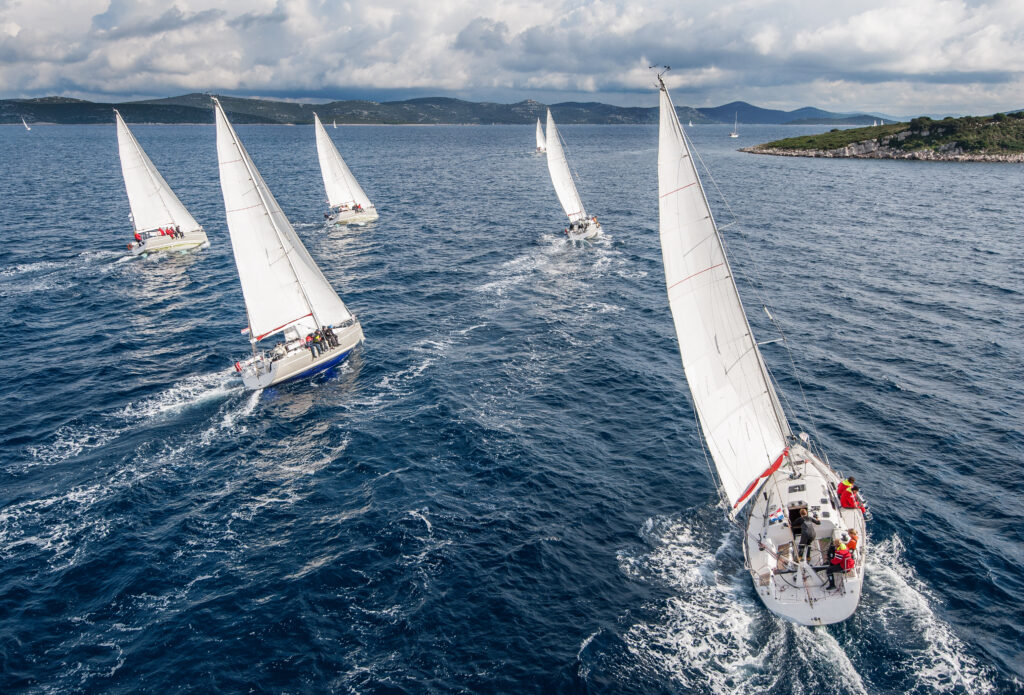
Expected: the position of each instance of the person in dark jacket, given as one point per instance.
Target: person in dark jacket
(806, 534)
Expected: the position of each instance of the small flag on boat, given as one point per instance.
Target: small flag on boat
(245, 330)
(776, 516)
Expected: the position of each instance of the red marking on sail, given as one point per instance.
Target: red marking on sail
(771, 469)
(679, 189)
(679, 282)
(275, 330)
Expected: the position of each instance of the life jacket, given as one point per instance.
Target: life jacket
(843, 486)
(843, 558)
(847, 499)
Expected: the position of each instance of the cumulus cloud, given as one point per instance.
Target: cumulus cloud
(907, 57)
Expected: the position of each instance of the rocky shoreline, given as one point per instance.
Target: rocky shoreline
(870, 149)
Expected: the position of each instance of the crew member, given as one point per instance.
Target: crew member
(842, 562)
(844, 485)
(312, 345)
(806, 534)
(849, 500)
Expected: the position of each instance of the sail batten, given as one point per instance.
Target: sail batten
(561, 177)
(732, 394)
(152, 202)
(342, 187)
(279, 278)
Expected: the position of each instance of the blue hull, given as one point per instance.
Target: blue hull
(316, 369)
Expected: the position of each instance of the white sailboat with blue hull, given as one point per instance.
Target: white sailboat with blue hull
(286, 295)
(763, 469)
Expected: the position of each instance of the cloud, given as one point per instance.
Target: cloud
(917, 55)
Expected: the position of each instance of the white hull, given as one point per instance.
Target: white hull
(353, 217)
(542, 150)
(191, 240)
(591, 230)
(281, 364)
(795, 591)
(734, 135)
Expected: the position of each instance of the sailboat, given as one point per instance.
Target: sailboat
(690, 124)
(736, 127)
(286, 295)
(874, 123)
(541, 141)
(161, 222)
(349, 204)
(581, 226)
(763, 469)
(335, 123)
(24, 123)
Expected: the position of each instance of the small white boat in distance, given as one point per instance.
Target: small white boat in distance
(581, 226)
(691, 124)
(26, 124)
(161, 222)
(736, 127)
(335, 123)
(285, 292)
(349, 204)
(761, 465)
(541, 140)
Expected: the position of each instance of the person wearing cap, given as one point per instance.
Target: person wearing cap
(842, 562)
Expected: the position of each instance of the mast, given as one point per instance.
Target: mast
(739, 412)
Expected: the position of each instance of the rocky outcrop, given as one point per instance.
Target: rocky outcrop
(871, 149)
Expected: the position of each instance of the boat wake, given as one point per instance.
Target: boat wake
(898, 604)
(77, 437)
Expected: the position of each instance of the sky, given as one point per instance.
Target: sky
(900, 57)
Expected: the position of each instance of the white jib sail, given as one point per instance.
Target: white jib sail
(561, 177)
(341, 185)
(152, 201)
(541, 142)
(739, 412)
(280, 282)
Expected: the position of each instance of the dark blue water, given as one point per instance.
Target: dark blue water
(503, 491)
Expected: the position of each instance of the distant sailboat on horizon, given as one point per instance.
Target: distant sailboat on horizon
(349, 202)
(542, 142)
(160, 220)
(285, 292)
(736, 127)
(764, 469)
(581, 226)
(24, 123)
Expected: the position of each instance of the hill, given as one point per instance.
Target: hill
(972, 138)
(195, 108)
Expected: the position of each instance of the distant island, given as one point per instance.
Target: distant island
(197, 108)
(997, 138)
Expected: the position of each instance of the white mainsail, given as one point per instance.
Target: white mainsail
(152, 201)
(541, 141)
(280, 282)
(26, 124)
(342, 187)
(561, 177)
(739, 411)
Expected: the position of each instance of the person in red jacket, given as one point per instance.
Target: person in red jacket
(844, 485)
(842, 562)
(850, 500)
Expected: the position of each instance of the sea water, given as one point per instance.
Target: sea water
(504, 490)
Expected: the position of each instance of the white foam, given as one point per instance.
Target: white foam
(933, 652)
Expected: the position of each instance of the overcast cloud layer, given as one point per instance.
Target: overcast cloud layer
(900, 57)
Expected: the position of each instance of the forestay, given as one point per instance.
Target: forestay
(561, 177)
(280, 282)
(541, 143)
(739, 412)
(342, 187)
(152, 201)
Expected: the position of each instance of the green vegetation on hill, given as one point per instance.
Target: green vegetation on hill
(998, 134)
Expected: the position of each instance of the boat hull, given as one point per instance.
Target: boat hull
(793, 589)
(300, 363)
(353, 217)
(166, 244)
(592, 230)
